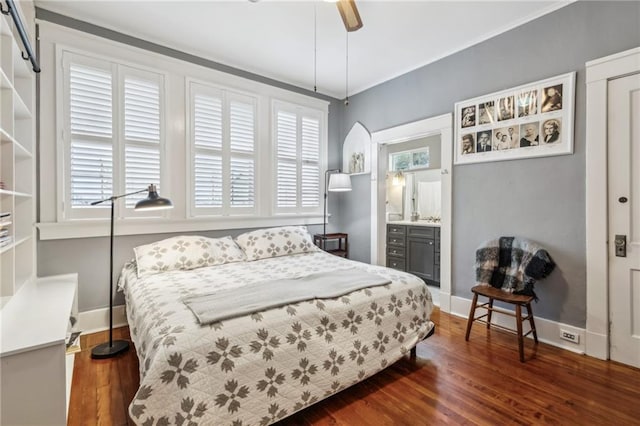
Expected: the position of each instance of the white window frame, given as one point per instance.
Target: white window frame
(119, 70)
(176, 168)
(299, 111)
(227, 95)
(411, 168)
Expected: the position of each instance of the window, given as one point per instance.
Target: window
(223, 152)
(113, 144)
(299, 152)
(409, 160)
(229, 152)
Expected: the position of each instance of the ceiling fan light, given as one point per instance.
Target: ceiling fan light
(349, 13)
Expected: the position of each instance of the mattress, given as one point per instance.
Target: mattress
(259, 368)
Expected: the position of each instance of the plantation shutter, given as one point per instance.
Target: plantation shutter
(310, 176)
(141, 135)
(241, 144)
(223, 151)
(90, 115)
(298, 152)
(207, 140)
(287, 153)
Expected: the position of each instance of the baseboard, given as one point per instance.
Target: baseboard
(598, 346)
(445, 302)
(548, 331)
(98, 319)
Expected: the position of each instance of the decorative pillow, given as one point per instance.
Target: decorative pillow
(186, 252)
(274, 242)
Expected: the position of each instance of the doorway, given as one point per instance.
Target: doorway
(440, 126)
(613, 282)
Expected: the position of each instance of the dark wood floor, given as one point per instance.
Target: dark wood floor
(450, 382)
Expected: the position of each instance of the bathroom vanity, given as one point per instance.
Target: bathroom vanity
(414, 247)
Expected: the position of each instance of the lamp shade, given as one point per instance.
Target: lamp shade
(339, 182)
(153, 201)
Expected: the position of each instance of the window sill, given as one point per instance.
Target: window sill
(100, 227)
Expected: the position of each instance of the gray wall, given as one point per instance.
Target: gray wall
(542, 199)
(89, 257)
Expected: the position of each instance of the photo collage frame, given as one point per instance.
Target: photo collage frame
(532, 120)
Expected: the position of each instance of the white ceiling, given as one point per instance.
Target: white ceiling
(276, 38)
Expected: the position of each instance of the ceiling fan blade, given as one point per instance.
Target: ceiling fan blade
(350, 15)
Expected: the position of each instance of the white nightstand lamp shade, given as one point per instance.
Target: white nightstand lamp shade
(339, 182)
(334, 181)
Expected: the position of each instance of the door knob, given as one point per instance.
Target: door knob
(621, 245)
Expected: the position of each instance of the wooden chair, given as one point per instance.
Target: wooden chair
(518, 300)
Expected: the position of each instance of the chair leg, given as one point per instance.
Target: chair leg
(532, 323)
(472, 314)
(489, 312)
(519, 326)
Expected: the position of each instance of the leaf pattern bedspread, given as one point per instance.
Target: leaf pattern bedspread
(260, 368)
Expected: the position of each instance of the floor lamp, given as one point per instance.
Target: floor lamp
(152, 202)
(334, 181)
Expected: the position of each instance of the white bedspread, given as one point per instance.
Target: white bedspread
(260, 368)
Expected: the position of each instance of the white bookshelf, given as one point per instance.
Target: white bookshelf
(17, 159)
(34, 312)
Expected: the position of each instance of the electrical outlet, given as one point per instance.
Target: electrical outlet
(570, 336)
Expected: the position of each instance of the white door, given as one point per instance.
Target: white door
(624, 218)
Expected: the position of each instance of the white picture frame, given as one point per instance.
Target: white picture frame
(532, 120)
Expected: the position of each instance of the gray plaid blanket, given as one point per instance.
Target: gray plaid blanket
(512, 264)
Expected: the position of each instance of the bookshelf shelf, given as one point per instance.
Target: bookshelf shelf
(17, 159)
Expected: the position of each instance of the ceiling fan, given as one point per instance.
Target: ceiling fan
(349, 14)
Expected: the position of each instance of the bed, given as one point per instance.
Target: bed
(258, 368)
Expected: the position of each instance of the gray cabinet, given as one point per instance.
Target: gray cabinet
(415, 249)
(396, 241)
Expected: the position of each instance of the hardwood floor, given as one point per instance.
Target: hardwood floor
(450, 382)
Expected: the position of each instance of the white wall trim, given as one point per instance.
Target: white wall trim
(548, 331)
(98, 319)
(100, 227)
(598, 72)
(439, 125)
(53, 37)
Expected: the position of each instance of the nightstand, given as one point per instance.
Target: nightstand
(338, 243)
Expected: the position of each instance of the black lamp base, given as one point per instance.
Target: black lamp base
(105, 350)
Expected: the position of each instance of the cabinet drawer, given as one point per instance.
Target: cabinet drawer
(421, 231)
(395, 251)
(396, 263)
(395, 240)
(396, 229)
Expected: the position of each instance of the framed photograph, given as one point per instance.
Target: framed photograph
(532, 120)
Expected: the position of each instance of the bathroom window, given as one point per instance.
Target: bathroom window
(409, 160)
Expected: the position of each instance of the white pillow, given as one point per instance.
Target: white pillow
(274, 242)
(186, 252)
